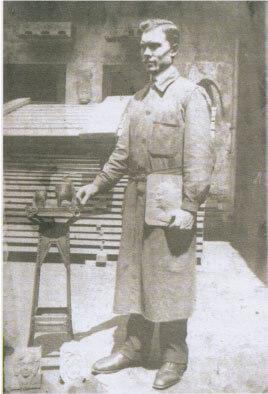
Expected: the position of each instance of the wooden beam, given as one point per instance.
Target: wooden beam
(15, 104)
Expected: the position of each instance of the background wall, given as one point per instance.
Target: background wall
(208, 33)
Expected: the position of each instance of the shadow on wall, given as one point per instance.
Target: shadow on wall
(250, 205)
(249, 232)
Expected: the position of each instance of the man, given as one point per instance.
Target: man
(166, 130)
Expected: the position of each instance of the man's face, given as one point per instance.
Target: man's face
(156, 51)
(26, 367)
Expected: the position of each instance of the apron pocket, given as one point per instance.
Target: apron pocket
(164, 140)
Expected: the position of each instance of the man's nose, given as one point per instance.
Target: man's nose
(147, 52)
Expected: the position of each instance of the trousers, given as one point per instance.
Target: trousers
(172, 339)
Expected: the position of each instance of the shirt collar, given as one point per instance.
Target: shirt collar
(164, 79)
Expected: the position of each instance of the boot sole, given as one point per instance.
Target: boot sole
(96, 371)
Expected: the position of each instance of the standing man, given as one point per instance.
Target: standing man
(166, 130)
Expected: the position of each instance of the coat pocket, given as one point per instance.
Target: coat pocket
(181, 250)
(164, 140)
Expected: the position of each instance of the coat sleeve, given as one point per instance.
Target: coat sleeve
(198, 156)
(117, 164)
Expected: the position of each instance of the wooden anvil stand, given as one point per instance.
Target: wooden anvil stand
(52, 319)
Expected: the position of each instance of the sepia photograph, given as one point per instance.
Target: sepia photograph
(134, 232)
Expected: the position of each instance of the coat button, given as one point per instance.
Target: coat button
(148, 112)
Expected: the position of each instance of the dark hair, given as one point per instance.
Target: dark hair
(168, 27)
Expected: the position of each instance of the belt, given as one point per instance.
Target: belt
(142, 177)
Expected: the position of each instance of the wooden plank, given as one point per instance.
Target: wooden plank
(94, 164)
(29, 125)
(51, 172)
(51, 328)
(34, 234)
(14, 105)
(10, 158)
(115, 199)
(45, 165)
(50, 319)
(73, 242)
(43, 182)
(46, 132)
(57, 106)
(22, 201)
(56, 109)
(87, 251)
(87, 229)
(30, 194)
(52, 178)
(92, 222)
(89, 212)
(40, 173)
(51, 116)
(90, 158)
(20, 227)
(41, 177)
(13, 161)
(87, 174)
(63, 120)
(73, 229)
(50, 169)
(52, 188)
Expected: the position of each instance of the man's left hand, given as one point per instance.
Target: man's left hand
(182, 219)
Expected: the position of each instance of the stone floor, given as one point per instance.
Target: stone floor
(227, 337)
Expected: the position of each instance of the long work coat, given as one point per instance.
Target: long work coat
(166, 128)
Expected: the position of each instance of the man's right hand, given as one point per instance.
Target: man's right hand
(86, 192)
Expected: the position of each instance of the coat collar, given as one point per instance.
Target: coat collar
(160, 83)
(163, 80)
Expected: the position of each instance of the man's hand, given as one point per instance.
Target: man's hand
(182, 219)
(86, 192)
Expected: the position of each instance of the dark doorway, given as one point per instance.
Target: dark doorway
(123, 79)
(43, 83)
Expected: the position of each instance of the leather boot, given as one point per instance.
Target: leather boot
(113, 363)
(169, 374)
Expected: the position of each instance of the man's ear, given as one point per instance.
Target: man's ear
(174, 49)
